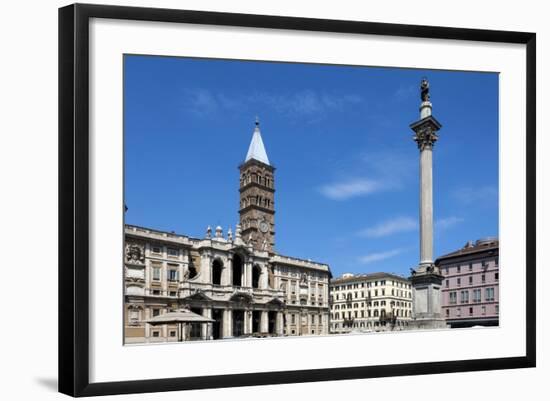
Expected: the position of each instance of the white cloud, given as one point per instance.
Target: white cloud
(405, 224)
(487, 194)
(447, 222)
(378, 256)
(351, 188)
(305, 102)
(388, 227)
(201, 102)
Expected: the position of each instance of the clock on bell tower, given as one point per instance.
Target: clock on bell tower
(257, 190)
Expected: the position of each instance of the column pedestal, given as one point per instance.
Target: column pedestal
(426, 294)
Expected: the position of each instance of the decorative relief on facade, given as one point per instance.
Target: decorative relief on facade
(135, 253)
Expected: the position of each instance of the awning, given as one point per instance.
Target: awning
(181, 316)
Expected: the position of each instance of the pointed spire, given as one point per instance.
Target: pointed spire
(256, 150)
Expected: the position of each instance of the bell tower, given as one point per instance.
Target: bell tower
(257, 190)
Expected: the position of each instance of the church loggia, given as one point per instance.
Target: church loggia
(230, 285)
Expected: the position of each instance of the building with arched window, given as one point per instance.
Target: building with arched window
(236, 280)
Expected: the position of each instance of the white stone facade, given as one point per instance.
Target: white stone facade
(246, 291)
(370, 302)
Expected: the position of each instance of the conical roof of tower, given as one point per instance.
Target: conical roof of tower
(256, 150)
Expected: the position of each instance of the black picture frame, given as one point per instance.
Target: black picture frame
(74, 198)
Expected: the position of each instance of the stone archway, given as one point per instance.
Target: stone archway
(238, 268)
(217, 267)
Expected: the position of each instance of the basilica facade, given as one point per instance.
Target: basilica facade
(236, 280)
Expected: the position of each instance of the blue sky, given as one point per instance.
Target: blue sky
(347, 167)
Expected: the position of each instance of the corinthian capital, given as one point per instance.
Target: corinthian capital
(425, 137)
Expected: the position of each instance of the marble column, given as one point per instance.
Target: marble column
(264, 322)
(227, 323)
(279, 330)
(426, 279)
(206, 329)
(247, 274)
(229, 273)
(206, 267)
(264, 277)
(426, 206)
(248, 322)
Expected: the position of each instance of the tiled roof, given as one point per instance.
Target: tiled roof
(471, 248)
